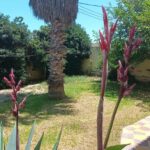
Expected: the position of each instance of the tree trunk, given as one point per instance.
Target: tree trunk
(57, 54)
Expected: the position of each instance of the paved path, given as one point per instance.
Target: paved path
(138, 135)
(4, 95)
(34, 89)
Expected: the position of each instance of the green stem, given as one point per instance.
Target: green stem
(113, 118)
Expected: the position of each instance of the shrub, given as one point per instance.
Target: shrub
(78, 44)
(13, 40)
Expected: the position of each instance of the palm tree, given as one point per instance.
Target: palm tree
(61, 14)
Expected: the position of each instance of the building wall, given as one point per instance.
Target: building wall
(91, 65)
(141, 71)
(35, 74)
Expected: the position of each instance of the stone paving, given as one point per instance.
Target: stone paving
(137, 135)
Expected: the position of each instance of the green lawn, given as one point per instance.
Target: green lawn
(77, 113)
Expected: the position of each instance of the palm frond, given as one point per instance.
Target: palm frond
(50, 10)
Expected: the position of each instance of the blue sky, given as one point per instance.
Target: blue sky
(87, 20)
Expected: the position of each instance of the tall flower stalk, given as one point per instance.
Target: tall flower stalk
(16, 106)
(122, 74)
(105, 44)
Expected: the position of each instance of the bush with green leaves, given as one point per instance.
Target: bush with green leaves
(13, 40)
(38, 47)
(78, 44)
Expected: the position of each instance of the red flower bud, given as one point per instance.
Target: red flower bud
(12, 73)
(112, 29)
(7, 82)
(18, 86)
(105, 19)
(128, 90)
(131, 33)
(22, 104)
(137, 43)
(103, 43)
(12, 76)
(122, 74)
(13, 97)
(127, 51)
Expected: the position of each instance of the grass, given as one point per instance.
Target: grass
(77, 113)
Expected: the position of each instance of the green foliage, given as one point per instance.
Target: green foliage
(38, 46)
(12, 139)
(78, 44)
(116, 147)
(28, 145)
(38, 146)
(13, 41)
(131, 13)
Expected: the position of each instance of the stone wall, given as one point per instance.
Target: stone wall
(91, 65)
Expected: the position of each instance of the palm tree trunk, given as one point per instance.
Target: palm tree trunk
(57, 54)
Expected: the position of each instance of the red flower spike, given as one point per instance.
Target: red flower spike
(131, 33)
(22, 104)
(128, 90)
(105, 19)
(105, 41)
(7, 82)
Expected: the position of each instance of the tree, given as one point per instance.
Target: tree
(60, 13)
(131, 12)
(14, 37)
(78, 44)
(38, 47)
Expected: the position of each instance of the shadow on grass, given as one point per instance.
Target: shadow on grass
(140, 92)
(38, 107)
(111, 90)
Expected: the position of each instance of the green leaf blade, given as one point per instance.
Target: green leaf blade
(58, 140)
(12, 140)
(38, 146)
(28, 145)
(117, 147)
(1, 136)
